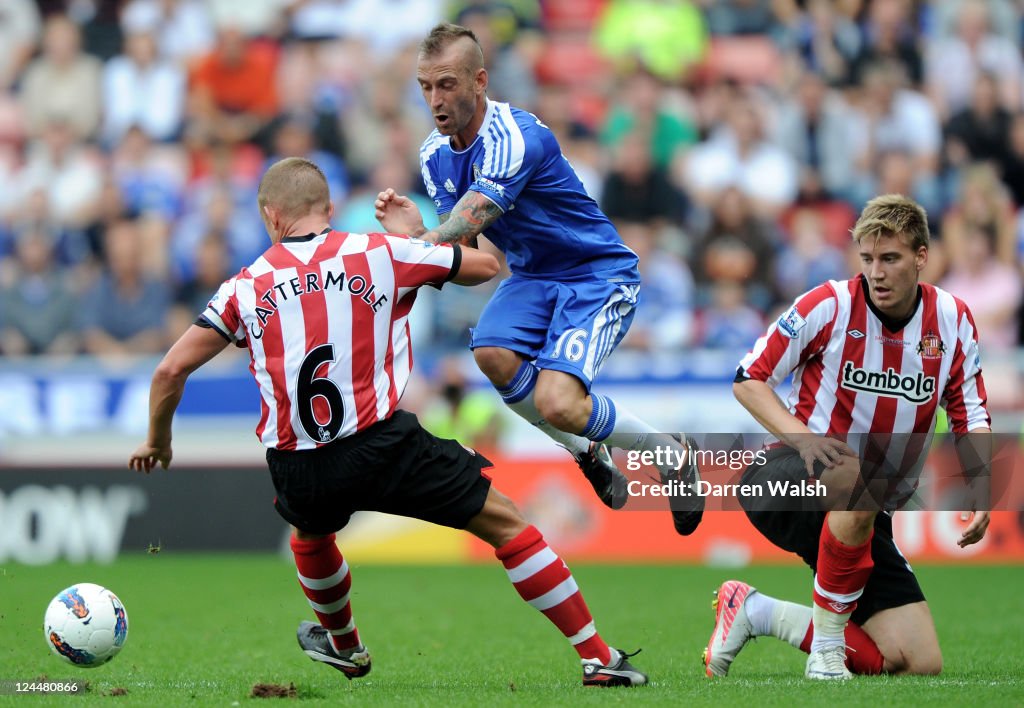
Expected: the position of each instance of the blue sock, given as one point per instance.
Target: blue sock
(521, 384)
(602, 418)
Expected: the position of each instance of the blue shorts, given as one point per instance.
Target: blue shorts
(565, 326)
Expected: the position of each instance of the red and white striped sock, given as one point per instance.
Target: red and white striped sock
(326, 580)
(543, 580)
(842, 573)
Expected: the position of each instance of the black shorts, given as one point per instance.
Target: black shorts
(892, 582)
(394, 466)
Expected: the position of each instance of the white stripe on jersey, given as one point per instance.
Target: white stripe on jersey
(431, 145)
(246, 290)
(293, 331)
(839, 310)
(384, 279)
(339, 329)
(504, 146)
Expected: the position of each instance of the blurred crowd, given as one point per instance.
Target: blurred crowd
(732, 142)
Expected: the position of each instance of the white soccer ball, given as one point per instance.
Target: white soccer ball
(86, 625)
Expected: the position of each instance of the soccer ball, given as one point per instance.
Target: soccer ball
(86, 625)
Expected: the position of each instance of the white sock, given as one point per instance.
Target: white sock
(518, 396)
(526, 410)
(789, 622)
(829, 628)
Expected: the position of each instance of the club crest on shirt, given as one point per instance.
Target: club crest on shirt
(931, 346)
(476, 172)
(792, 322)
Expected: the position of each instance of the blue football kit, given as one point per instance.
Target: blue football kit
(574, 283)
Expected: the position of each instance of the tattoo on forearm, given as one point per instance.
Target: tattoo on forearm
(470, 217)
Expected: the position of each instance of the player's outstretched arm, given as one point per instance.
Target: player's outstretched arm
(476, 267)
(470, 218)
(196, 347)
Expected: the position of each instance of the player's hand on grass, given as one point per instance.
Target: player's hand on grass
(146, 457)
(398, 214)
(827, 451)
(975, 531)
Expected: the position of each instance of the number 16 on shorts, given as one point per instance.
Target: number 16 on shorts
(574, 343)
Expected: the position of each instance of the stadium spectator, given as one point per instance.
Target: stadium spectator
(233, 92)
(890, 117)
(814, 128)
(828, 41)
(151, 177)
(665, 324)
(212, 266)
(19, 32)
(646, 108)
(544, 335)
(739, 155)
(66, 172)
(638, 190)
(141, 89)
(327, 465)
(737, 246)
(952, 64)
(125, 312)
(294, 135)
(869, 614)
(1011, 162)
(990, 287)
(38, 306)
(380, 116)
(215, 210)
(728, 322)
(981, 131)
(807, 258)
(889, 34)
(63, 83)
(184, 27)
(459, 412)
(982, 202)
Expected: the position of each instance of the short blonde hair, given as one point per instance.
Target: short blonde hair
(296, 187)
(893, 215)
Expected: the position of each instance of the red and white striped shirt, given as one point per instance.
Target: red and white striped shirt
(851, 375)
(326, 321)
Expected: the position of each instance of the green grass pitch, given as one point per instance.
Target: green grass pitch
(204, 629)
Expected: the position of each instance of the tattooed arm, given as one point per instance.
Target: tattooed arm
(470, 217)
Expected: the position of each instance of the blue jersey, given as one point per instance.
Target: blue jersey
(550, 227)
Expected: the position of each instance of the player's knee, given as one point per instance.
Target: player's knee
(565, 412)
(497, 364)
(925, 663)
(499, 521)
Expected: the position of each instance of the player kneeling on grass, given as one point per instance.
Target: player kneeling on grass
(324, 315)
(855, 350)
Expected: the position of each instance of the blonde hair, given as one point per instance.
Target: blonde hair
(296, 187)
(893, 215)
